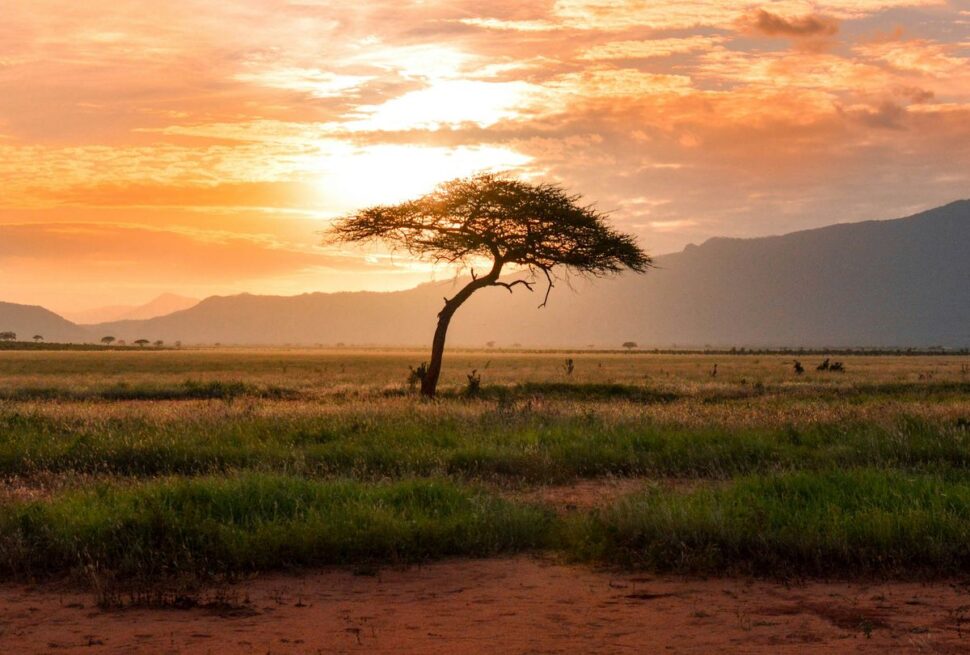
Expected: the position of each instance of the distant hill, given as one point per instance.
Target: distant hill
(903, 282)
(28, 320)
(895, 283)
(160, 306)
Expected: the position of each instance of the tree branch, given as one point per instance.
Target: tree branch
(509, 285)
(548, 289)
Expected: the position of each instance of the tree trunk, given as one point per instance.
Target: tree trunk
(429, 385)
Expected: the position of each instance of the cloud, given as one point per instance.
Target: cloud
(648, 48)
(916, 56)
(317, 83)
(766, 23)
(450, 102)
(669, 226)
(512, 25)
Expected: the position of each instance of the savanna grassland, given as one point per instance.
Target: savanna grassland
(212, 463)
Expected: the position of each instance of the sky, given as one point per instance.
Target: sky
(200, 147)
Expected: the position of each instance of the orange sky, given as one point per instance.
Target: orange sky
(197, 147)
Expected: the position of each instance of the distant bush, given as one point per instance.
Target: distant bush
(474, 385)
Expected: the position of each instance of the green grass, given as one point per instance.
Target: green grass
(527, 446)
(208, 526)
(831, 523)
(859, 522)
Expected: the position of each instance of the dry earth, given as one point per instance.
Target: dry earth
(517, 605)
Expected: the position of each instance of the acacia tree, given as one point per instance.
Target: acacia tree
(497, 219)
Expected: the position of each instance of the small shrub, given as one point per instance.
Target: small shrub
(474, 383)
(417, 374)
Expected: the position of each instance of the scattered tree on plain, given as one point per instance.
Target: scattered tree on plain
(8, 336)
(159, 343)
(629, 345)
(107, 340)
(141, 343)
(537, 227)
(38, 338)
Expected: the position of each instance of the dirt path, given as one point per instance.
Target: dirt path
(519, 605)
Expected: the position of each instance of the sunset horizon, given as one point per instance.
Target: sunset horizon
(201, 149)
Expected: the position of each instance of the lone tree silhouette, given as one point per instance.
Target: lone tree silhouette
(629, 345)
(107, 340)
(141, 343)
(38, 338)
(8, 336)
(496, 218)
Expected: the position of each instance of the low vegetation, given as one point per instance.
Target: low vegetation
(821, 523)
(209, 526)
(149, 464)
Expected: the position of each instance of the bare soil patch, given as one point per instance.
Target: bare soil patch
(598, 493)
(517, 605)
(582, 494)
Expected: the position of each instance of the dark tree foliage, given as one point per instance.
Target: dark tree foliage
(536, 227)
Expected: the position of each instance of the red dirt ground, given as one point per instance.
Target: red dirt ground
(517, 605)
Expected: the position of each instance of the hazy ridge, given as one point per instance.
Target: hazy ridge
(159, 306)
(894, 283)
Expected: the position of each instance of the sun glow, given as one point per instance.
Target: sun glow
(350, 177)
(449, 103)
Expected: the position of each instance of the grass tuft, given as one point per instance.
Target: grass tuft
(210, 526)
(833, 523)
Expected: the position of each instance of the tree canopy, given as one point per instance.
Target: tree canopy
(504, 220)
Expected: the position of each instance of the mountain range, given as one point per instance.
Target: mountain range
(890, 283)
(160, 306)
